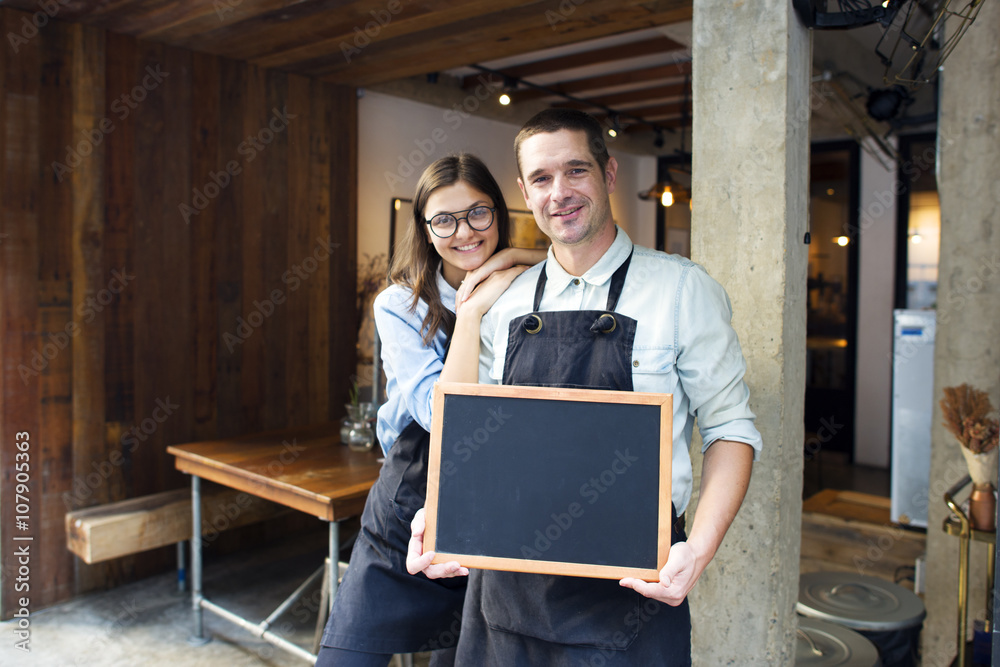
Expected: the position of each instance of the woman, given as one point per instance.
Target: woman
(460, 225)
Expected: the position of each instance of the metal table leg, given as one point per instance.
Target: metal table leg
(198, 638)
(331, 580)
(334, 563)
(330, 573)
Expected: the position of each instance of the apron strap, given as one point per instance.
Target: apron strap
(618, 282)
(614, 292)
(539, 288)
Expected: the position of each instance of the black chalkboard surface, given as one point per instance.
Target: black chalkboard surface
(549, 480)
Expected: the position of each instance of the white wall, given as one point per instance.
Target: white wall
(398, 138)
(876, 274)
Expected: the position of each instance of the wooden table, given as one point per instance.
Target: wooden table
(307, 469)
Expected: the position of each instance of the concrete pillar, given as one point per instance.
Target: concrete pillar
(751, 164)
(968, 329)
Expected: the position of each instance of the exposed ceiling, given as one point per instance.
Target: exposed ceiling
(639, 81)
(364, 42)
(626, 61)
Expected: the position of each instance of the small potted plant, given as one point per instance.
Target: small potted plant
(966, 411)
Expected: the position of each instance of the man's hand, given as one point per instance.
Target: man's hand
(418, 561)
(725, 474)
(677, 577)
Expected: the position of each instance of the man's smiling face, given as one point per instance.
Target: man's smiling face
(565, 188)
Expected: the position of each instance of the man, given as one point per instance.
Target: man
(671, 334)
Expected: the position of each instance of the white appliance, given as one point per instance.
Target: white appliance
(912, 407)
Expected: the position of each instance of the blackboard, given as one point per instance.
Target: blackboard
(550, 480)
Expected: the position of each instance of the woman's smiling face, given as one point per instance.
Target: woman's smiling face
(467, 248)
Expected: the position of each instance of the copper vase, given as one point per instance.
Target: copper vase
(982, 507)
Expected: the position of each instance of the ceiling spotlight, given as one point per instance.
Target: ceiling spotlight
(841, 241)
(885, 103)
(509, 86)
(916, 238)
(667, 198)
(615, 126)
(658, 141)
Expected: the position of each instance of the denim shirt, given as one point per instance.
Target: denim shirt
(411, 367)
(684, 343)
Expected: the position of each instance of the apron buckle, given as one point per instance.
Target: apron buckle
(606, 323)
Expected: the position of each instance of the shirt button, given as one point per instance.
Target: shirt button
(576, 281)
(636, 363)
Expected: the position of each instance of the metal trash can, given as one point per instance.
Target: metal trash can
(889, 615)
(825, 644)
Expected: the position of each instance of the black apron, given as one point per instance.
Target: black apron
(380, 607)
(513, 618)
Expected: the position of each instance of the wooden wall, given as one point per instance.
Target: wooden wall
(129, 322)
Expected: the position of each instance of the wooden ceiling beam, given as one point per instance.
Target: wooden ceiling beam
(147, 19)
(659, 110)
(665, 123)
(309, 37)
(622, 100)
(647, 47)
(350, 29)
(250, 17)
(490, 38)
(672, 71)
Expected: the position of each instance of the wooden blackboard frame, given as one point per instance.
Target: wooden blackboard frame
(549, 432)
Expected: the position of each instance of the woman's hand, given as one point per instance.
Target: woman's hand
(488, 291)
(504, 259)
(419, 561)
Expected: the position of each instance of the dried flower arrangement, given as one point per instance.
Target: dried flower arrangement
(372, 277)
(372, 274)
(966, 411)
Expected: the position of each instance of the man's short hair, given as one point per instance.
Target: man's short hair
(553, 120)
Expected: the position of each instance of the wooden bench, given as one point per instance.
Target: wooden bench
(130, 526)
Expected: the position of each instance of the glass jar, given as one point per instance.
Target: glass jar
(356, 428)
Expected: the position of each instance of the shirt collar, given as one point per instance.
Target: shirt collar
(446, 291)
(557, 278)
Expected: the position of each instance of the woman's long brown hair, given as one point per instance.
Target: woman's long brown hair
(416, 261)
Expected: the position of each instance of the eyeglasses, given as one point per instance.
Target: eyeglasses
(478, 218)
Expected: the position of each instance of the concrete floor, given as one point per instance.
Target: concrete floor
(149, 622)
(832, 470)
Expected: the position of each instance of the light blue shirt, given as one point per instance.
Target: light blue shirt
(411, 367)
(684, 342)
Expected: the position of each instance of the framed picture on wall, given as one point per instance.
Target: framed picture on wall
(524, 233)
(400, 212)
